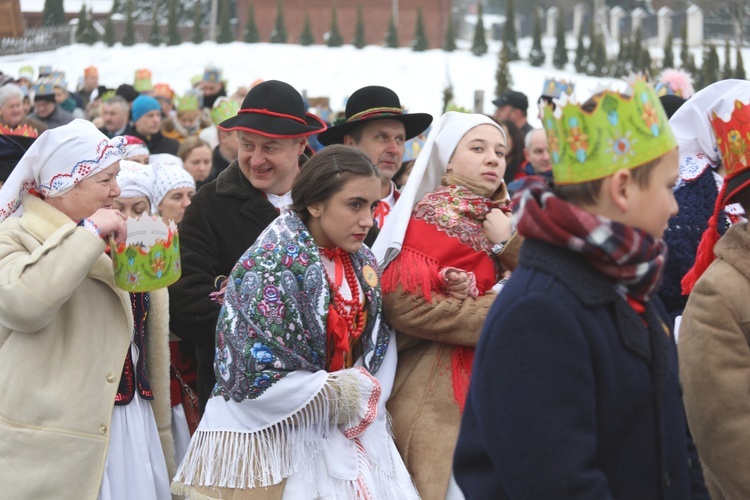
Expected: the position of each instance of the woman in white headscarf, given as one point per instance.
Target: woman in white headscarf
(84, 410)
(450, 218)
(136, 183)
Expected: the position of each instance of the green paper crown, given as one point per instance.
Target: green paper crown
(144, 270)
(189, 102)
(224, 108)
(620, 132)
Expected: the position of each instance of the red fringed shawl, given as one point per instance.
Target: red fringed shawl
(446, 230)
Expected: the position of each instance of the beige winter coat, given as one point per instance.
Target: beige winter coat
(714, 349)
(64, 332)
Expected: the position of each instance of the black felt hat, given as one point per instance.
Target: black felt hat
(375, 103)
(512, 98)
(274, 109)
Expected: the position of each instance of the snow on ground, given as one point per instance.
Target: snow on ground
(417, 77)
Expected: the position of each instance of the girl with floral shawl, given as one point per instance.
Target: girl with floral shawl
(449, 216)
(304, 363)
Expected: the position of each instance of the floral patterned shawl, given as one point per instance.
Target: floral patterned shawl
(273, 320)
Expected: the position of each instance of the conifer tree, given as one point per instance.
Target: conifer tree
(636, 51)
(560, 56)
(684, 51)
(419, 43)
(109, 31)
(334, 37)
(598, 65)
(81, 26)
(173, 33)
(90, 35)
(250, 34)
(739, 66)
(727, 73)
(691, 68)
(646, 62)
(197, 36)
(53, 13)
(306, 38)
(668, 61)
(503, 78)
(278, 35)
(154, 37)
(225, 24)
(128, 39)
(590, 54)
(710, 68)
(359, 31)
(510, 38)
(449, 44)
(622, 66)
(536, 56)
(391, 36)
(479, 45)
(447, 95)
(580, 61)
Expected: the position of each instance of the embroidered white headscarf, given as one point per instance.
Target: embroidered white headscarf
(429, 168)
(58, 160)
(170, 174)
(136, 179)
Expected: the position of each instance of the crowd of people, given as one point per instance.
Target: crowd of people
(392, 305)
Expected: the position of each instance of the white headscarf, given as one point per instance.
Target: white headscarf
(170, 174)
(136, 179)
(691, 125)
(58, 160)
(429, 168)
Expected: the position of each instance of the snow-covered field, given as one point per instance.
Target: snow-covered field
(418, 77)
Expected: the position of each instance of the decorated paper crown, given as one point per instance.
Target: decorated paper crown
(414, 146)
(150, 257)
(733, 141)
(224, 108)
(212, 74)
(26, 72)
(22, 131)
(44, 86)
(163, 90)
(109, 94)
(143, 80)
(556, 88)
(45, 70)
(191, 101)
(620, 132)
(90, 71)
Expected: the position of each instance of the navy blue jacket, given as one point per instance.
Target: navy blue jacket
(572, 396)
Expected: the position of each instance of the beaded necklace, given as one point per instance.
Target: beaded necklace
(349, 309)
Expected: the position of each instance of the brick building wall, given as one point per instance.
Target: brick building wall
(376, 13)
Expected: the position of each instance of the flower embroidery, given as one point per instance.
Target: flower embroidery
(261, 353)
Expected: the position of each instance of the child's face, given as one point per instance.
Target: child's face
(480, 157)
(650, 208)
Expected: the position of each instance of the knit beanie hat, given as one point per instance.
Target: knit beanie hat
(142, 105)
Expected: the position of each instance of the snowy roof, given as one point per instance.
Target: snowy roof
(72, 6)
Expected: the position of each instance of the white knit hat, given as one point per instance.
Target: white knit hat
(58, 160)
(136, 179)
(170, 174)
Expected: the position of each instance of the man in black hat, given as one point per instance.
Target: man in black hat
(376, 124)
(228, 214)
(512, 105)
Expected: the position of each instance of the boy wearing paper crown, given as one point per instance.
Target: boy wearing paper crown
(583, 400)
(188, 121)
(714, 341)
(212, 85)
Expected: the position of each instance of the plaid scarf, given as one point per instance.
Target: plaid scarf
(631, 258)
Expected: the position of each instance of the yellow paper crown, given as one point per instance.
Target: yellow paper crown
(622, 131)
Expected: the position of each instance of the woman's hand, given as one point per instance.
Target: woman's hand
(110, 221)
(497, 226)
(457, 284)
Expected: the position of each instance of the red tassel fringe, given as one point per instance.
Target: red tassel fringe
(415, 272)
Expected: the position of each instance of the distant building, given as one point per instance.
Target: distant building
(11, 23)
(376, 14)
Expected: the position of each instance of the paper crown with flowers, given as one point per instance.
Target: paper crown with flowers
(191, 101)
(621, 131)
(26, 72)
(733, 142)
(143, 80)
(21, 131)
(90, 71)
(224, 108)
(556, 88)
(163, 90)
(212, 74)
(45, 70)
